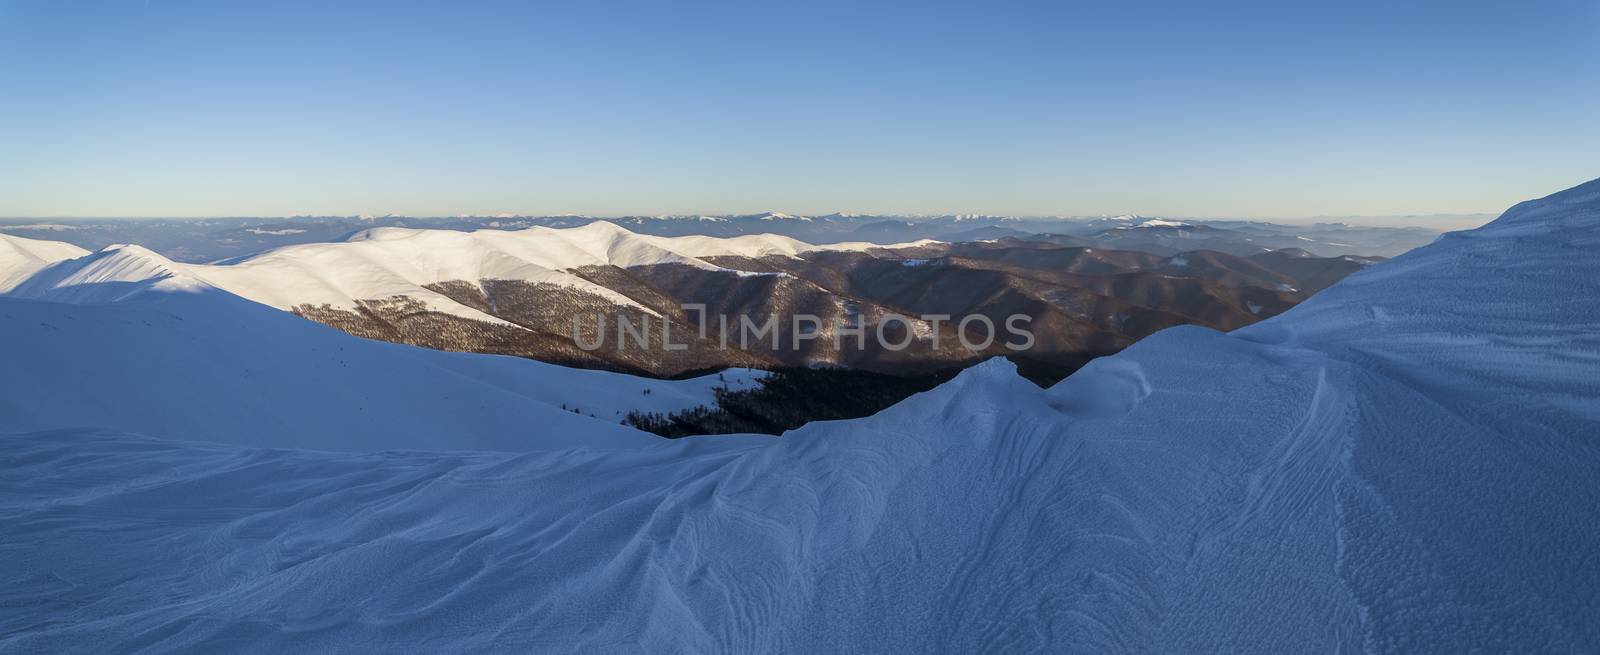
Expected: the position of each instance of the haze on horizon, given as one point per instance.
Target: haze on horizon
(1441, 222)
(1244, 109)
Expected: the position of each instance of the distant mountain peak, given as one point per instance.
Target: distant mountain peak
(116, 272)
(1160, 222)
(780, 216)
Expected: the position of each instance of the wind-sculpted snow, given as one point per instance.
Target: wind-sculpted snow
(1405, 463)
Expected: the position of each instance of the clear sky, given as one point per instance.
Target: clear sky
(1270, 109)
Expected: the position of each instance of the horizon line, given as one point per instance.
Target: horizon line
(668, 216)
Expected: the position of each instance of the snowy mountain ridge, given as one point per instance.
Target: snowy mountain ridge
(1403, 463)
(125, 338)
(387, 262)
(20, 258)
(112, 274)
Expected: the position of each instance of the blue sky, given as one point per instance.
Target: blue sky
(168, 108)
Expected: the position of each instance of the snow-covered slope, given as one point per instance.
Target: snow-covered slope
(1405, 463)
(387, 262)
(763, 245)
(146, 347)
(21, 258)
(113, 274)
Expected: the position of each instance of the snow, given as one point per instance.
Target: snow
(278, 232)
(1404, 462)
(387, 262)
(1156, 222)
(764, 245)
(864, 246)
(753, 245)
(780, 216)
(114, 273)
(53, 227)
(20, 258)
(121, 339)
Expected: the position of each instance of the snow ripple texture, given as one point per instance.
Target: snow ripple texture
(1408, 462)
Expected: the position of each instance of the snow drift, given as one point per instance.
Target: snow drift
(1404, 463)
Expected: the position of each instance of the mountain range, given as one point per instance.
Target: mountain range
(537, 292)
(213, 239)
(1403, 462)
(125, 337)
